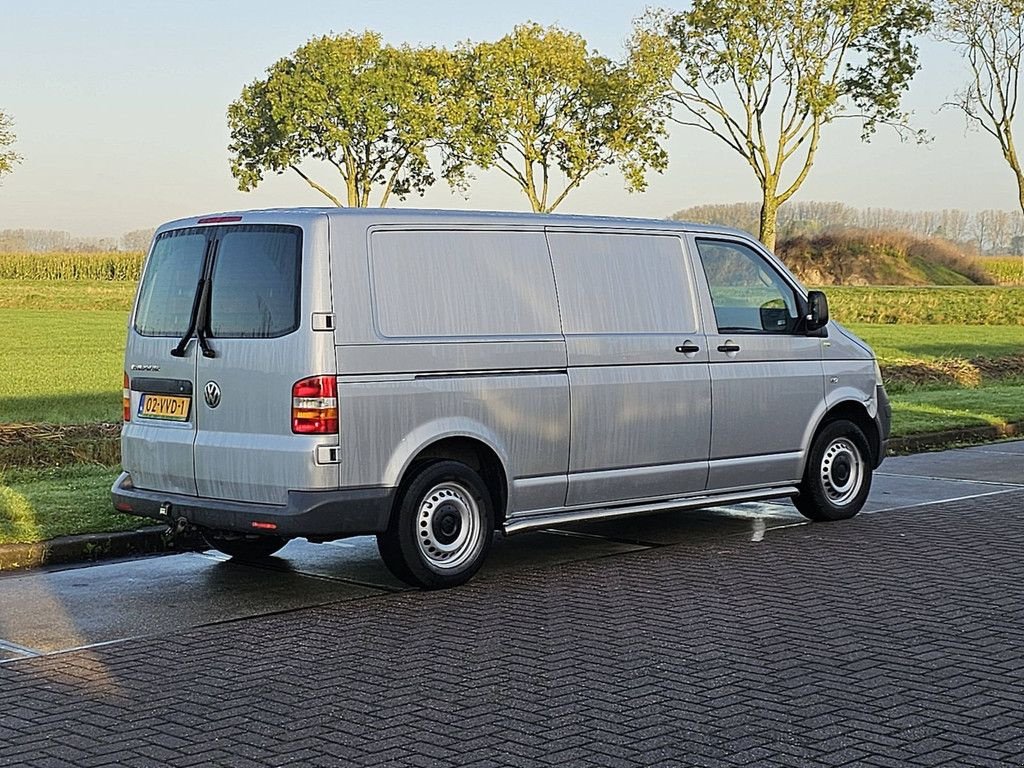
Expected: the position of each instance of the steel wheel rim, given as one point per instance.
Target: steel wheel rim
(842, 471)
(448, 526)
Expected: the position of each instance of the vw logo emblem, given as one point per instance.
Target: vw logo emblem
(212, 394)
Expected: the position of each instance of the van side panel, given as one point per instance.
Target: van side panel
(627, 303)
(456, 334)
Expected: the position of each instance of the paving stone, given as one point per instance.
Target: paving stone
(889, 640)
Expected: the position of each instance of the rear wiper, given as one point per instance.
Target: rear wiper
(179, 351)
(203, 320)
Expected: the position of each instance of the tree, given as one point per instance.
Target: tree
(990, 36)
(8, 157)
(351, 102)
(766, 76)
(547, 113)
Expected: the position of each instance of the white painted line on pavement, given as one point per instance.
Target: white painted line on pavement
(950, 479)
(15, 648)
(939, 501)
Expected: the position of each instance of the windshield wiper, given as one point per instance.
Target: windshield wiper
(179, 350)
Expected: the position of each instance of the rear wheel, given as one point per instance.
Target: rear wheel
(441, 528)
(244, 547)
(837, 479)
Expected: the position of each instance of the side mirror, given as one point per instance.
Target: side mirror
(817, 310)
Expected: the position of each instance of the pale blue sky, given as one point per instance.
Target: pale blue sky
(119, 109)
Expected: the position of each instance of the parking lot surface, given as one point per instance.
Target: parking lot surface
(731, 637)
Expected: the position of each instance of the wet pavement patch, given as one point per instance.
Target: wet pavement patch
(992, 464)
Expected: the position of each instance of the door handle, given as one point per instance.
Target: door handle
(687, 348)
(729, 347)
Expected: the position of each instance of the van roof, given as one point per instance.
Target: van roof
(429, 215)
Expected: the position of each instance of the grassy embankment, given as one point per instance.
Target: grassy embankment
(64, 338)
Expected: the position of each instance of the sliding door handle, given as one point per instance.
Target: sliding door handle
(729, 347)
(687, 348)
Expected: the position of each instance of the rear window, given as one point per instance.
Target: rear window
(169, 285)
(255, 289)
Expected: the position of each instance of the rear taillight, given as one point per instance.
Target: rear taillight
(315, 406)
(126, 400)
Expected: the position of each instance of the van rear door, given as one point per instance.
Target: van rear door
(223, 330)
(157, 439)
(258, 343)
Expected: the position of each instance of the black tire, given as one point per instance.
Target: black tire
(243, 547)
(837, 479)
(441, 527)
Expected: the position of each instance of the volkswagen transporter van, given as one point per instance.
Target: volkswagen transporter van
(434, 377)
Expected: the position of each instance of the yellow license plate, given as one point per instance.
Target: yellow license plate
(169, 407)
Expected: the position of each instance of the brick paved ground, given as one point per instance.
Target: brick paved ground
(894, 639)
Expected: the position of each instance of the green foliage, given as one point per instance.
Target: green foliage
(973, 306)
(765, 76)
(537, 105)
(8, 157)
(368, 109)
(114, 265)
(989, 34)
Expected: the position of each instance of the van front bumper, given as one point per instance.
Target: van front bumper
(315, 515)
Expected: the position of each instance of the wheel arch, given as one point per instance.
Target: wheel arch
(471, 449)
(853, 411)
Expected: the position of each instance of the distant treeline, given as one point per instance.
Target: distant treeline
(51, 241)
(984, 232)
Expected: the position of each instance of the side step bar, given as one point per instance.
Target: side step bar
(565, 516)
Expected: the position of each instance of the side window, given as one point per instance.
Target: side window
(749, 296)
(622, 283)
(463, 283)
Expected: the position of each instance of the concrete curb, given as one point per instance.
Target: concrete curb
(90, 547)
(953, 438)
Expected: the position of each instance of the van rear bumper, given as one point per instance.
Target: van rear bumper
(317, 515)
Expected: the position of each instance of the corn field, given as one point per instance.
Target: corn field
(114, 265)
(1005, 270)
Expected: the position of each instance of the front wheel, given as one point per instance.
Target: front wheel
(837, 479)
(243, 547)
(441, 528)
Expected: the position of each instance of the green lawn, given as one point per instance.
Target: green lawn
(937, 410)
(61, 366)
(36, 505)
(927, 342)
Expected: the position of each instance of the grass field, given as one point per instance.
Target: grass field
(40, 504)
(61, 366)
(918, 412)
(977, 305)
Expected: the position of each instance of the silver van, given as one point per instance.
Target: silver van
(431, 377)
